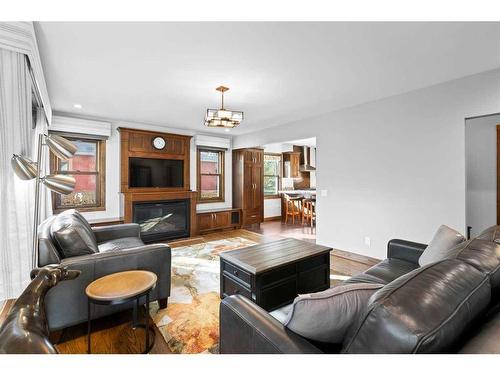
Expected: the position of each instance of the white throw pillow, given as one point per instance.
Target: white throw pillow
(327, 316)
(441, 246)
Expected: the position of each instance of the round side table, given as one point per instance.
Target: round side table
(118, 288)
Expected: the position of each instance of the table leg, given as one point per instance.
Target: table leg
(88, 326)
(147, 322)
(134, 313)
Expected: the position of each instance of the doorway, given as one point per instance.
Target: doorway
(481, 154)
(290, 188)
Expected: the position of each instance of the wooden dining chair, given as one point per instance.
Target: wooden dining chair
(309, 212)
(293, 209)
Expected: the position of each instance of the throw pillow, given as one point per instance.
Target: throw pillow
(328, 316)
(442, 246)
(73, 235)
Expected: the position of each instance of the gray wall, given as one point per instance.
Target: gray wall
(481, 163)
(393, 168)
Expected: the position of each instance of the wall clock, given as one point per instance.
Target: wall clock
(159, 143)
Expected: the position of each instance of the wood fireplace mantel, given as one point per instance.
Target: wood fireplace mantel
(139, 143)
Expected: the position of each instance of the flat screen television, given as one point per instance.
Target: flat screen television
(162, 173)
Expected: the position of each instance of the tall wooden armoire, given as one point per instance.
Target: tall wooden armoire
(248, 184)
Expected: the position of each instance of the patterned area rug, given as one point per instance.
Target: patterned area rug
(190, 323)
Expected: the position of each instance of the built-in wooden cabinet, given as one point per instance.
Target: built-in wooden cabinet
(248, 184)
(135, 143)
(292, 159)
(218, 219)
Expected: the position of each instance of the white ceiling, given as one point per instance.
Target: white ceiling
(166, 73)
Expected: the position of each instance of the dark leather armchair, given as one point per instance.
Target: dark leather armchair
(120, 248)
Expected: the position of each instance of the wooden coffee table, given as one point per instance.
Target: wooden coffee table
(274, 273)
(118, 288)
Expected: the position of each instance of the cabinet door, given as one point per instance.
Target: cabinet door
(248, 156)
(248, 186)
(295, 164)
(257, 199)
(222, 219)
(205, 221)
(258, 156)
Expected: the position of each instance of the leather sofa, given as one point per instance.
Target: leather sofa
(120, 248)
(451, 306)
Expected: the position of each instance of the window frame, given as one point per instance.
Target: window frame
(279, 175)
(100, 173)
(221, 174)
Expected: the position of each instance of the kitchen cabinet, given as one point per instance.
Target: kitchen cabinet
(248, 184)
(291, 164)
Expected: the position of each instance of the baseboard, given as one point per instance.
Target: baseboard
(272, 218)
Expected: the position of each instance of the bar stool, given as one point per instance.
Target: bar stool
(309, 211)
(293, 208)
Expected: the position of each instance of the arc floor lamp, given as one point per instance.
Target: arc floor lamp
(26, 169)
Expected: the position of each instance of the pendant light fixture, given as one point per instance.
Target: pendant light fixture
(223, 118)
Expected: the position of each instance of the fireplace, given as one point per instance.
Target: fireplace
(162, 220)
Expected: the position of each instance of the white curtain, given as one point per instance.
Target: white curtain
(16, 196)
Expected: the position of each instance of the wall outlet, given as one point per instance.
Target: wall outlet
(368, 241)
(324, 193)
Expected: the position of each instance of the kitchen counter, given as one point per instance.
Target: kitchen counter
(311, 192)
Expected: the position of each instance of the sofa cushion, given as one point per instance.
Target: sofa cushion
(327, 316)
(390, 269)
(485, 256)
(73, 235)
(490, 234)
(120, 244)
(441, 245)
(425, 311)
(364, 278)
(383, 272)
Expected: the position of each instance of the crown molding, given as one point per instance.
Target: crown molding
(80, 126)
(20, 37)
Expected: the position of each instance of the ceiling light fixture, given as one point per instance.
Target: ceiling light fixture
(77, 106)
(223, 118)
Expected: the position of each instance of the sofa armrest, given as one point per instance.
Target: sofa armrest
(66, 303)
(405, 250)
(245, 328)
(113, 232)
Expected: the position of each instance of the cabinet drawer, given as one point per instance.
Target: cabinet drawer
(252, 216)
(244, 276)
(230, 287)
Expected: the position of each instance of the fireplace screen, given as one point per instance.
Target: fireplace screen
(163, 220)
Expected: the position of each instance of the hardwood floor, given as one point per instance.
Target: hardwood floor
(342, 263)
(110, 335)
(114, 334)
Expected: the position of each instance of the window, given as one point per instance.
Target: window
(272, 175)
(210, 175)
(88, 168)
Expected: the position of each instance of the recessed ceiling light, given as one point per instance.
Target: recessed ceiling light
(77, 106)
(226, 130)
